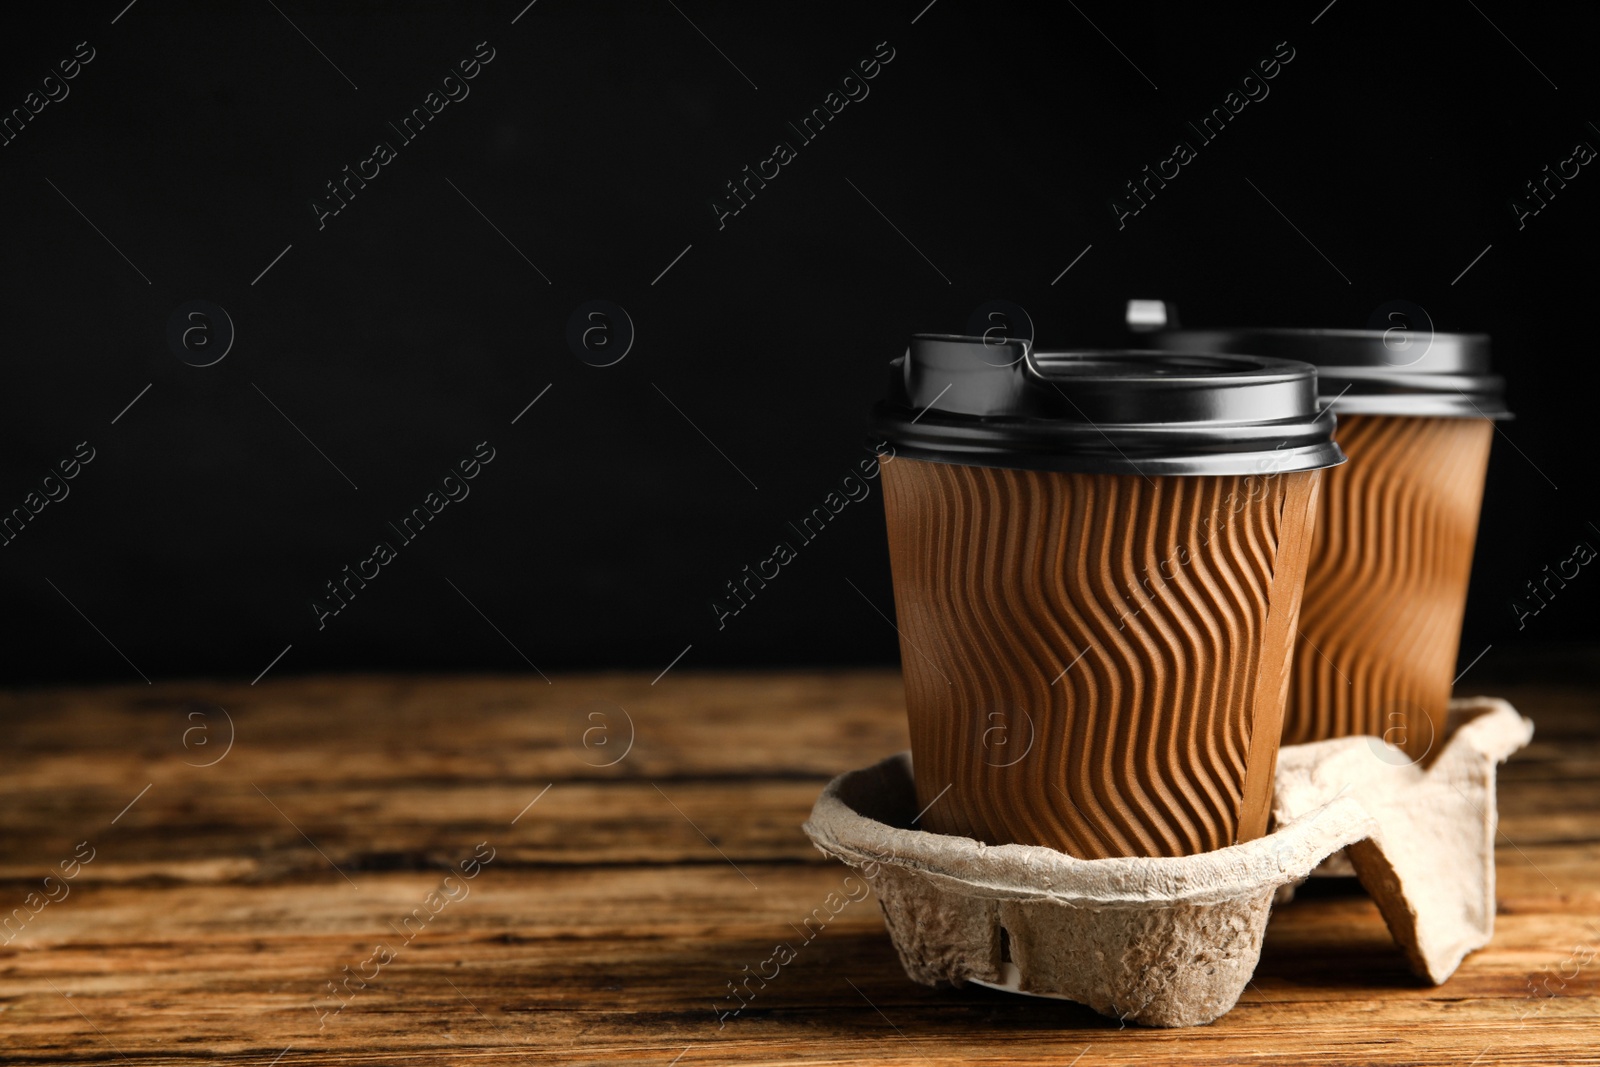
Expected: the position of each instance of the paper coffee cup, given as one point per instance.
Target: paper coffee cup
(1098, 559)
(1387, 583)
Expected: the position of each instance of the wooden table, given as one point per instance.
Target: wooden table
(618, 901)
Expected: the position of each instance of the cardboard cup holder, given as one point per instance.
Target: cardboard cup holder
(1174, 941)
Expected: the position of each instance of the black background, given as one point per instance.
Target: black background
(408, 329)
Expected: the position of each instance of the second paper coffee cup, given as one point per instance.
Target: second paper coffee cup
(1098, 559)
(1386, 587)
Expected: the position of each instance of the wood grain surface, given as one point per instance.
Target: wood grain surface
(222, 900)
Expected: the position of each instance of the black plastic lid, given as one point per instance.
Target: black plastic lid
(1371, 372)
(999, 403)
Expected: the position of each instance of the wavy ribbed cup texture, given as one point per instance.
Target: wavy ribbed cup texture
(1387, 582)
(1096, 663)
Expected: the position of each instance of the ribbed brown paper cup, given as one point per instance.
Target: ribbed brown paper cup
(1386, 585)
(1098, 560)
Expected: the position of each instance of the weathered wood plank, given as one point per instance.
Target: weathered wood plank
(614, 954)
(606, 927)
